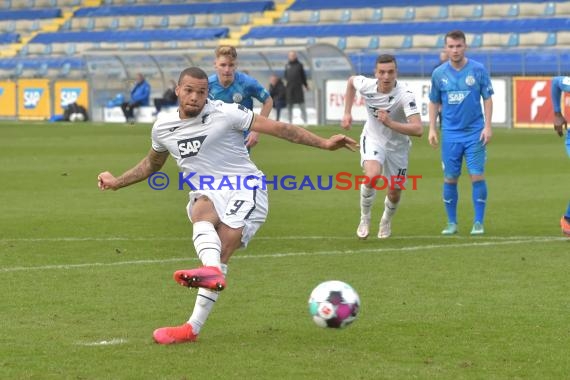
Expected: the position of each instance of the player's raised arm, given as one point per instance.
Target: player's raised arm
(300, 135)
(153, 162)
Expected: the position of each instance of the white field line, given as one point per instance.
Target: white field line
(291, 254)
(189, 238)
(110, 342)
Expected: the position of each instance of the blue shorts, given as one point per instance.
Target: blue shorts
(452, 154)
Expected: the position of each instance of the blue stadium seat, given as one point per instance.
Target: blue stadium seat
(477, 41)
(341, 44)
(376, 15)
(139, 22)
(29, 14)
(164, 22)
(345, 16)
(315, 17)
(8, 38)
(513, 10)
(215, 20)
(176, 9)
(551, 39)
(190, 21)
(374, 43)
(513, 40)
(550, 9)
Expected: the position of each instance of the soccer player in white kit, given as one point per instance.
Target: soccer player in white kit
(206, 140)
(385, 144)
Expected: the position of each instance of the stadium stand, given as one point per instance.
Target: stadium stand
(70, 28)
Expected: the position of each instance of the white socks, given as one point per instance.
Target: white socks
(205, 301)
(389, 208)
(367, 196)
(207, 243)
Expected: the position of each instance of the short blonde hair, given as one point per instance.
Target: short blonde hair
(226, 51)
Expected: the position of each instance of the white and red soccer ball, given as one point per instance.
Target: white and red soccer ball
(334, 304)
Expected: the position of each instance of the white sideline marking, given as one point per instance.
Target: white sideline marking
(111, 342)
(302, 253)
(189, 237)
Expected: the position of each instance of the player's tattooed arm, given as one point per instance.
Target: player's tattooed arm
(300, 135)
(153, 162)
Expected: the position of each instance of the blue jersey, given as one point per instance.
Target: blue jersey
(460, 93)
(243, 90)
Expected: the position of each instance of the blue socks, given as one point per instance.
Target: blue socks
(479, 200)
(567, 215)
(450, 197)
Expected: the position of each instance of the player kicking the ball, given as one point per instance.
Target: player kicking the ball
(206, 138)
(393, 116)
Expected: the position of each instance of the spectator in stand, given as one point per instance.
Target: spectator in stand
(140, 95)
(296, 79)
(169, 98)
(278, 93)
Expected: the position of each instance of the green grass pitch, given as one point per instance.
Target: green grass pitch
(86, 276)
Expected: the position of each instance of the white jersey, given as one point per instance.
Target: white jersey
(400, 103)
(209, 145)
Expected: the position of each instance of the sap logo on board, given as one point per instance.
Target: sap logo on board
(32, 97)
(69, 96)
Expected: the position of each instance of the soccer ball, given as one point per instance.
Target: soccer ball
(76, 117)
(334, 304)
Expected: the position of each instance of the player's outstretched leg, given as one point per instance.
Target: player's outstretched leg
(204, 277)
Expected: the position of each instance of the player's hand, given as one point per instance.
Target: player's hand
(486, 135)
(252, 139)
(346, 121)
(341, 141)
(559, 124)
(106, 181)
(384, 118)
(432, 138)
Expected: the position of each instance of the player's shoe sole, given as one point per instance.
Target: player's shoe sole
(450, 229)
(173, 335)
(385, 229)
(565, 225)
(204, 277)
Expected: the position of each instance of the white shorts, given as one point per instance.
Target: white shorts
(394, 162)
(237, 208)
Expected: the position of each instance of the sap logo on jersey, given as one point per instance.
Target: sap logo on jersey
(190, 147)
(456, 97)
(32, 97)
(69, 96)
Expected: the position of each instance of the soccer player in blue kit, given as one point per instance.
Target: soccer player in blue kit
(458, 86)
(232, 86)
(559, 85)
